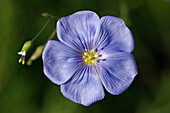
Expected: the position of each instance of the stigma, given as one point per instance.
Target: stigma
(90, 57)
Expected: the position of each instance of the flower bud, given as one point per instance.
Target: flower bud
(36, 54)
(45, 14)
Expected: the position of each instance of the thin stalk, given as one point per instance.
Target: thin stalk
(51, 36)
(49, 20)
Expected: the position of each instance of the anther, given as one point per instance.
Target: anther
(95, 56)
(85, 54)
(86, 60)
(92, 61)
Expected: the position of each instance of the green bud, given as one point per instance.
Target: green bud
(27, 46)
(47, 15)
(36, 54)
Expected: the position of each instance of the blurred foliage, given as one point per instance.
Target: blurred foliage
(25, 89)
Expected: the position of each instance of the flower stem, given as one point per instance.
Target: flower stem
(51, 36)
(49, 20)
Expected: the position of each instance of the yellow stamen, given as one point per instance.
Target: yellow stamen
(90, 57)
(23, 62)
(20, 60)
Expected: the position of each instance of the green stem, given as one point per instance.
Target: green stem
(51, 36)
(49, 20)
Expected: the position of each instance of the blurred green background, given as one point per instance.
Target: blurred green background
(25, 89)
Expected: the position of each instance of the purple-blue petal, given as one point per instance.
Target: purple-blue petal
(114, 32)
(117, 72)
(60, 61)
(84, 87)
(78, 29)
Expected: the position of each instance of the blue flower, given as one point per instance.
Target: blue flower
(93, 54)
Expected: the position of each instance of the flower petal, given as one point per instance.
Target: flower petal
(78, 30)
(84, 87)
(117, 72)
(60, 61)
(114, 31)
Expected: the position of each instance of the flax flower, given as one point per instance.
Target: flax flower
(92, 54)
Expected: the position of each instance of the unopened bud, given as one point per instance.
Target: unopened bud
(36, 54)
(45, 14)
